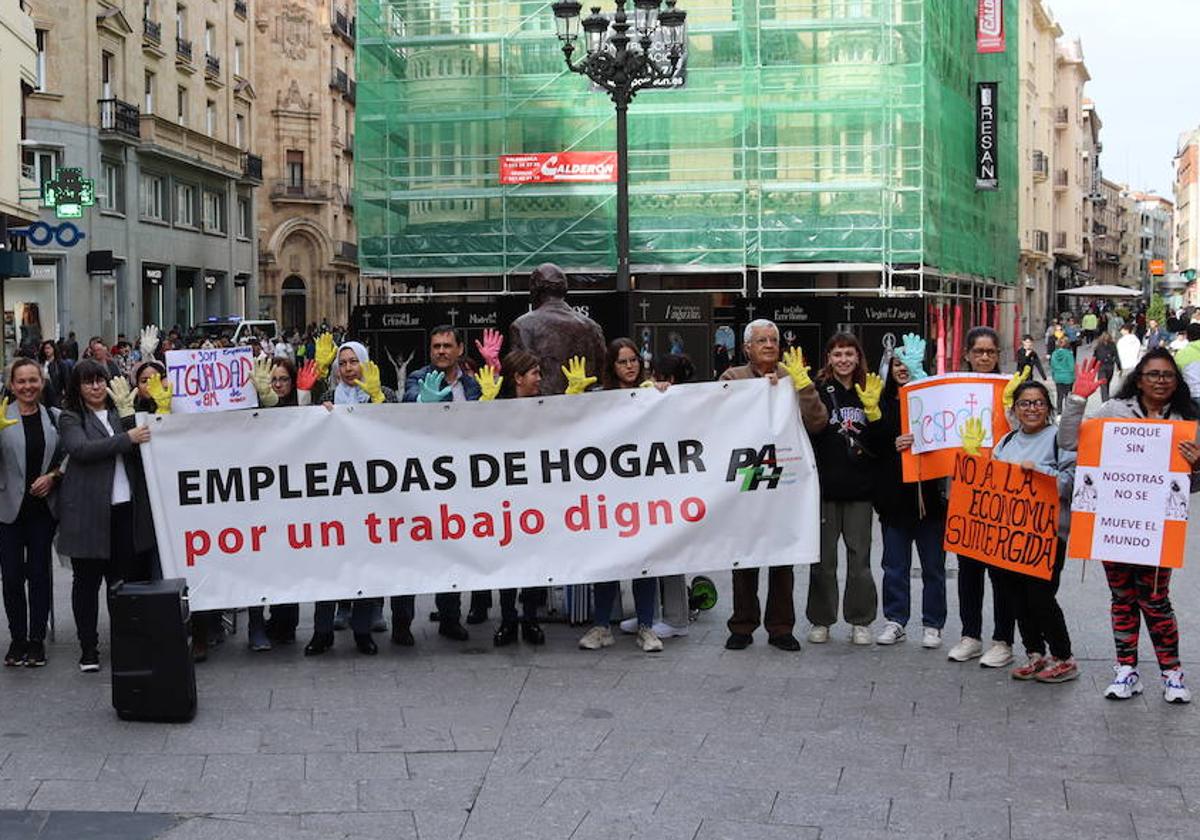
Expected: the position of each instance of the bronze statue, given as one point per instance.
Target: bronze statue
(554, 332)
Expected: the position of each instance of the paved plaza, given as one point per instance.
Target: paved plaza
(454, 740)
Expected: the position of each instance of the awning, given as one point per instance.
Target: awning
(1102, 290)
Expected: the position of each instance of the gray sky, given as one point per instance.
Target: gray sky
(1142, 57)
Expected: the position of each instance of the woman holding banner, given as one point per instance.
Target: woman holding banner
(983, 356)
(908, 514)
(30, 454)
(106, 527)
(1155, 389)
(623, 369)
(1033, 445)
(354, 381)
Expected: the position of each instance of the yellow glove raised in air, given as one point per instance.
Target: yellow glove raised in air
(489, 383)
(972, 434)
(4, 421)
(261, 377)
(870, 396)
(1011, 388)
(370, 382)
(326, 351)
(793, 363)
(576, 372)
(160, 392)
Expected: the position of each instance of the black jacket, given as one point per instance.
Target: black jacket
(896, 502)
(1030, 359)
(845, 463)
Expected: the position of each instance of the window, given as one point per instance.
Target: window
(106, 75)
(181, 100)
(151, 198)
(210, 118)
(210, 39)
(40, 165)
(214, 212)
(237, 58)
(41, 59)
(113, 178)
(181, 22)
(243, 219)
(149, 86)
(239, 131)
(185, 205)
(295, 170)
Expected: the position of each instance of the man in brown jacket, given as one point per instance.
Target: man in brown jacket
(761, 339)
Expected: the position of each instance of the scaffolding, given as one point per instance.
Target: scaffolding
(812, 137)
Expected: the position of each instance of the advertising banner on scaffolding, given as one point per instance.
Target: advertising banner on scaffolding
(989, 27)
(558, 167)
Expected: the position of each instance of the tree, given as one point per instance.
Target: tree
(1157, 309)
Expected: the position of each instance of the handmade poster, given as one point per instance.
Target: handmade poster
(1132, 487)
(1003, 515)
(211, 380)
(935, 409)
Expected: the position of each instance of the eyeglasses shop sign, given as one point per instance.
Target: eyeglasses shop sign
(986, 153)
(558, 167)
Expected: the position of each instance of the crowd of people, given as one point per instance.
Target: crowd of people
(70, 440)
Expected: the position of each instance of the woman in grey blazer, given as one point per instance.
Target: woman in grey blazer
(30, 454)
(106, 527)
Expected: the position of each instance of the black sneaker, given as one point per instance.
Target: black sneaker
(15, 657)
(35, 654)
(89, 662)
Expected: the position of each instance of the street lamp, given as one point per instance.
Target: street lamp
(623, 64)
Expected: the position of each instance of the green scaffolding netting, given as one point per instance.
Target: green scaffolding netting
(808, 131)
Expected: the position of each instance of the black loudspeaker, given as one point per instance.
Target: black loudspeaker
(153, 677)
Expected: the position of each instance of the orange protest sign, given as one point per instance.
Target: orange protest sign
(1132, 490)
(1003, 515)
(934, 410)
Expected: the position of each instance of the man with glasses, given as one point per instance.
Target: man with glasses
(761, 344)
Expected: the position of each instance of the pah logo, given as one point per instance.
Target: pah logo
(754, 467)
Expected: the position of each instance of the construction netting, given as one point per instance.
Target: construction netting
(807, 131)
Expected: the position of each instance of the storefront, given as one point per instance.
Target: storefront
(31, 306)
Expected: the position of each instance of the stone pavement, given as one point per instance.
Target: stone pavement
(451, 740)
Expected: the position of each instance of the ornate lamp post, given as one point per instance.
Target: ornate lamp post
(623, 64)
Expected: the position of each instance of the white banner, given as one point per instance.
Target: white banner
(302, 504)
(211, 380)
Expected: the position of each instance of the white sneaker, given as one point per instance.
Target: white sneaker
(648, 641)
(891, 633)
(1174, 691)
(1125, 684)
(629, 625)
(999, 655)
(931, 638)
(966, 649)
(818, 634)
(596, 638)
(668, 631)
(860, 635)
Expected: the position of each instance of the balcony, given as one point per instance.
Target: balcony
(1099, 229)
(1062, 117)
(212, 66)
(152, 31)
(1062, 179)
(1060, 241)
(117, 117)
(344, 25)
(306, 191)
(346, 252)
(339, 81)
(239, 8)
(183, 50)
(1040, 166)
(350, 94)
(1041, 241)
(252, 168)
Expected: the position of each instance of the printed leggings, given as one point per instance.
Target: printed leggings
(1142, 591)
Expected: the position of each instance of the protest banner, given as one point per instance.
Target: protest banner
(1132, 489)
(934, 411)
(1004, 515)
(211, 380)
(304, 504)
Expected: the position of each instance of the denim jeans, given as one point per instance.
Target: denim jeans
(897, 561)
(604, 595)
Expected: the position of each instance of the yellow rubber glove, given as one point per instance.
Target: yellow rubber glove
(489, 383)
(1011, 388)
(972, 434)
(793, 363)
(870, 396)
(370, 382)
(326, 351)
(4, 421)
(576, 372)
(160, 392)
(261, 377)
(122, 396)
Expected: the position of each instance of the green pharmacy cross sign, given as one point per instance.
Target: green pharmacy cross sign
(68, 192)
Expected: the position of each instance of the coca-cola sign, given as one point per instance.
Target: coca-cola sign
(558, 167)
(989, 26)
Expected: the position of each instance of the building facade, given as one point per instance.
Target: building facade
(152, 100)
(308, 86)
(1071, 173)
(1154, 222)
(1187, 204)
